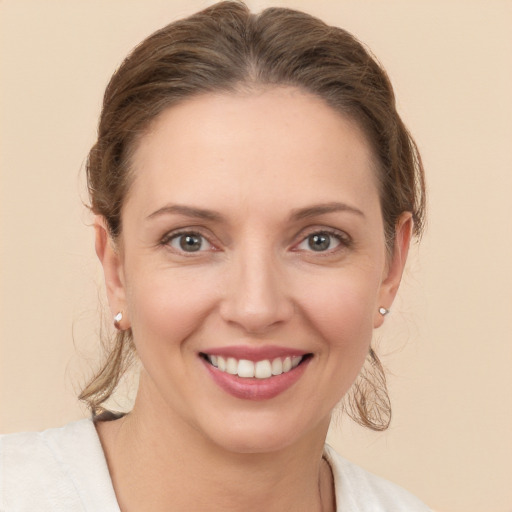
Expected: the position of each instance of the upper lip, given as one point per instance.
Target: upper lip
(252, 353)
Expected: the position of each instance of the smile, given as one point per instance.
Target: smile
(255, 373)
(264, 369)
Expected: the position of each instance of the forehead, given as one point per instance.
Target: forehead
(279, 143)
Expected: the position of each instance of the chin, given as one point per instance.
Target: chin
(265, 433)
(250, 441)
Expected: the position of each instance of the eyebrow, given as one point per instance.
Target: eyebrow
(188, 211)
(322, 209)
(297, 214)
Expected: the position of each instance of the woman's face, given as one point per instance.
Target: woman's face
(252, 265)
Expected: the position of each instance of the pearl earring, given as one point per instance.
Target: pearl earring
(117, 320)
(383, 311)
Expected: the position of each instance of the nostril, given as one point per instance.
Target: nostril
(257, 314)
(255, 297)
(255, 321)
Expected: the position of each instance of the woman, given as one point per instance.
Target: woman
(255, 194)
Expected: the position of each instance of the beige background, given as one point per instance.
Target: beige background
(448, 343)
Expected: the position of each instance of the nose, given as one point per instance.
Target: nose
(256, 298)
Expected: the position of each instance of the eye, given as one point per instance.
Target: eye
(321, 241)
(188, 242)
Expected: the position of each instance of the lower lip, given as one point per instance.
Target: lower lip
(256, 389)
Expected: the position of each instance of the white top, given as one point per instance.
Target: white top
(64, 470)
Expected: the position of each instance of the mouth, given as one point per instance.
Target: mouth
(263, 369)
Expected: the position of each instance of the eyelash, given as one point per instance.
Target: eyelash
(344, 241)
(175, 235)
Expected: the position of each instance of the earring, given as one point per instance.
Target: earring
(117, 320)
(383, 311)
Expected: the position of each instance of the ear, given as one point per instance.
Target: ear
(111, 260)
(395, 268)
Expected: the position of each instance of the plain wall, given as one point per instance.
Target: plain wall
(447, 344)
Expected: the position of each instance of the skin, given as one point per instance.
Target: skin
(262, 161)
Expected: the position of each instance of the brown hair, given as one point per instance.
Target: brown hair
(225, 48)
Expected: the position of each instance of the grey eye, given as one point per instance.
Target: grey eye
(319, 241)
(189, 242)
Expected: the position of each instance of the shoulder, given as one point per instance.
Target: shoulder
(60, 469)
(361, 491)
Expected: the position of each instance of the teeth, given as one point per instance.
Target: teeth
(260, 369)
(232, 366)
(296, 360)
(277, 367)
(245, 368)
(263, 369)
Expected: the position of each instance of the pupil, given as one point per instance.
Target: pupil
(190, 243)
(319, 242)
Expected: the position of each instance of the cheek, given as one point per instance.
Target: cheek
(166, 306)
(341, 311)
(339, 317)
(343, 302)
(346, 324)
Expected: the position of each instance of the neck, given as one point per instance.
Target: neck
(158, 462)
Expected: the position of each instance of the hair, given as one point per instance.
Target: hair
(226, 48)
